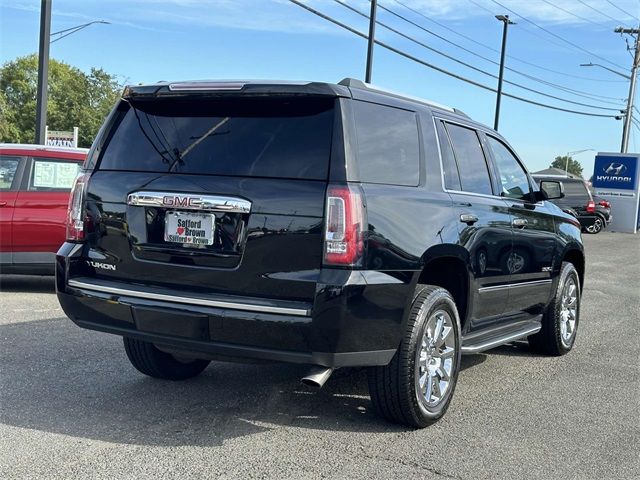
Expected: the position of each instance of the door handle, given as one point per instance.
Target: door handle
(3, 204)
(519, 222)
(468, 218)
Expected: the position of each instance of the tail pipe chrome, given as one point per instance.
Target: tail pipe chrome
(317, 376)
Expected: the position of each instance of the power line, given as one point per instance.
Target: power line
(568, 42)
(578, 93)
(484, 45)
(623, 11)
(440, 69)
(472, 67)
(599, 11)
(569, 12)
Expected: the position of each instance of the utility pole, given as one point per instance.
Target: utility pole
(505, 20)
(43, 71)
(371, 42)
(628, 117)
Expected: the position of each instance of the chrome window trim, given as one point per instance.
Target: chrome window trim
(300, 312)
(442, 183)
(514, 285)
(213, 203)
(460, 192)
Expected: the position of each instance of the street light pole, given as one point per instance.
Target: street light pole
(505, 20)
(371, 40)
(570, 154)
(43, 71)
(628, 117)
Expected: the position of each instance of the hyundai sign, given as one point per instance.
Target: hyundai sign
(615, 178)
(615, 172)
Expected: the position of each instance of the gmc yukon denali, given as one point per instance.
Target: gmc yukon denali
(334, 225)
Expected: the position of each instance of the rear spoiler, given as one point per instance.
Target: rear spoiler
(234, 87)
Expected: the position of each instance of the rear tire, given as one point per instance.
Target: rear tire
(416, 387)
(597, 226)
(157, 364)
(560, 321)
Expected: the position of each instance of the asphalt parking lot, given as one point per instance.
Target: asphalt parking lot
(72, 406)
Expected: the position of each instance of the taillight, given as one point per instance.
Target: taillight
(345, 226)
(605, 204)
(75, 212)
(591, 206)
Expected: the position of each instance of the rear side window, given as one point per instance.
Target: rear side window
(472, 165)
(51, 174)
(574, 188)
(450, 169)
(8, 167)
(387, 144)
(241, 136)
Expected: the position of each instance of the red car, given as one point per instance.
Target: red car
(35, 182)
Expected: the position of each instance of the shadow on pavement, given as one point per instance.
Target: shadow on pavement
(58, 378)
(27, 283)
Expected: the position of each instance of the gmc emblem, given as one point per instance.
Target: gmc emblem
(177, 201)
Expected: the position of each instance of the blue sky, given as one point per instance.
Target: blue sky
(150, 40)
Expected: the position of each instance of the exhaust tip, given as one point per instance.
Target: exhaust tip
(317, 377)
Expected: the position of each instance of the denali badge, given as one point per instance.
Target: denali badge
(103, 266)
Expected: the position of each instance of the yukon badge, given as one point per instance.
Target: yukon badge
(102, 266)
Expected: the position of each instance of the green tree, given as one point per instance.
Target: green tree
(76, 99)
(561, 163)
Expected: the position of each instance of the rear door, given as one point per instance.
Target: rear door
(10, 175)
(484, 221)
(41, 207)
(216, 195)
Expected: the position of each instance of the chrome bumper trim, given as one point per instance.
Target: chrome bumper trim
(249, 307)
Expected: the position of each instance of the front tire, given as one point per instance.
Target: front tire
(560, 321)
(416, 387)
(151, 361)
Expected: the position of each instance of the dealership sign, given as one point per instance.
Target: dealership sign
(615, 172)
(58, 138)
(615, 178)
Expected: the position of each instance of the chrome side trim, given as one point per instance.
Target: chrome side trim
(189, 300)
(184, 201)
(514, 285)
(481, 347)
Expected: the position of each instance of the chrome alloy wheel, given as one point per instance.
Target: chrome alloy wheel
(435, 357)
(596, 227)
(568, 311)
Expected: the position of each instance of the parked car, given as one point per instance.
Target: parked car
(335, 225)
(576, 197)
(603, 214)
(35, 182)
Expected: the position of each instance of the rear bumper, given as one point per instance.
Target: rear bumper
(355, 320)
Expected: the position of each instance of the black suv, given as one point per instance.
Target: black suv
(334, 225)
(577, 200)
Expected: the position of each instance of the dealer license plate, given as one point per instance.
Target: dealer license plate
(189, 228)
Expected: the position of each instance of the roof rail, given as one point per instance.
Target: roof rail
(355, 83)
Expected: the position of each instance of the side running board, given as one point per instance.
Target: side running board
(479, 342)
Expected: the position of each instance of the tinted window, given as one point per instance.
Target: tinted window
(474, 175)
(387, 140)
(450, 169)
(513, 178)
(258, 137)
(574, 188)
(50, 174)
(8, 167)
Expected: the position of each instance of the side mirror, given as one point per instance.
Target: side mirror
(552, 189)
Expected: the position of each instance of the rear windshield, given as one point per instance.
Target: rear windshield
(254, 137)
